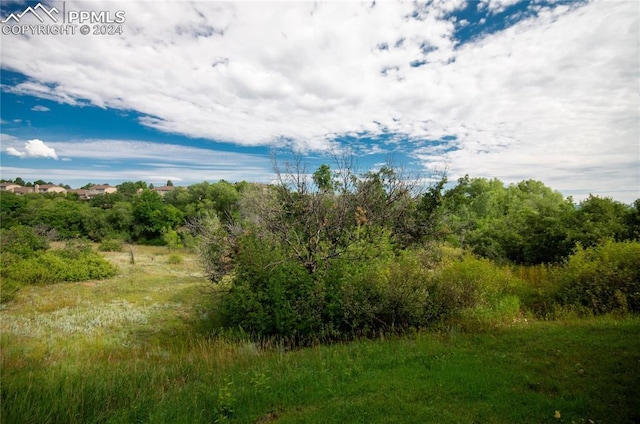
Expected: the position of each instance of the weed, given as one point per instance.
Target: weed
(225, 402)
(174, 259)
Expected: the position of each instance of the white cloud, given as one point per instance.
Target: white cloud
(34, 149)
(553, 97)
(40, 108)
(145, 151)
(497, 6)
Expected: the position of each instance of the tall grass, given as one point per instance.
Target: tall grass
(523, 374)
(132, 349)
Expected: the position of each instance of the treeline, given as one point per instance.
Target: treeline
(334, 253)
(524, 223)
(135, 213)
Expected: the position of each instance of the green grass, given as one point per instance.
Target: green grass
(132, 349)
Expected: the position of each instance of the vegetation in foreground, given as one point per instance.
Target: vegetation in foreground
(446, 296)
(134, 348)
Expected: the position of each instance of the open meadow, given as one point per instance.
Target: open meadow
(137, 348)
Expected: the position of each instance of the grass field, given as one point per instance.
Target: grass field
(134, 349)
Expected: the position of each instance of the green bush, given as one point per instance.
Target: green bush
(476, 292)
(601, 279)
(370, 289)
(270, 296)
(110, 245)
(22, 241)
(174, 259)
(76, 262)
(8, 289)
(75, 249)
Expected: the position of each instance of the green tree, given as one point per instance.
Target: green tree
(632, 221)
(323, 179)
(120, 220)
(525, 223)
(152, 216)
(597, 219)
(12, 209)
(67, 217)
(130, 190)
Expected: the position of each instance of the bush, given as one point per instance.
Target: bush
(110, 245)
(601, 279)
(22, 241)
(76, 262)
(370, 289)
(269, 296)
(475, 292)
(174, 259)
(8, 289)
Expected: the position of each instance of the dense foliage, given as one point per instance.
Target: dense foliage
(333, 254)
(603, 278)
(135, 213)
(27, 259)
(338, 255)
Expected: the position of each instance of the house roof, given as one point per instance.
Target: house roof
(165, 188)
(22, 190)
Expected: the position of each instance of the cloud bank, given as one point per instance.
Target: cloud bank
(552, 97)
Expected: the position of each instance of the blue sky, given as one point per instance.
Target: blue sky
(194, 91)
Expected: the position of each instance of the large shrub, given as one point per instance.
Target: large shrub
(111, 245)
(601, 279)
(475, 292)
(365, 290)
(17, 245)
(270, 296)
(369, 289)
(22, 241)
(76, 262)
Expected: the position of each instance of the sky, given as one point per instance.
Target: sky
(203, 91)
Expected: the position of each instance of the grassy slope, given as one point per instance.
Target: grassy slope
(128, 349)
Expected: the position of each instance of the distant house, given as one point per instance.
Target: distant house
(49, 188)
(23, 190)
(82, 193)
(101, 189)
(164, 190)
(9, 187)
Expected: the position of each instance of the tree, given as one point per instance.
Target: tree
(67, 217)
(120, 219)
(12, 209)
(525, 223)
(152, 217)
(323, 179)
(130, 189)
(319, 219)
(597, 219)
(632, 220)
(169, 183)
(309, 260)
